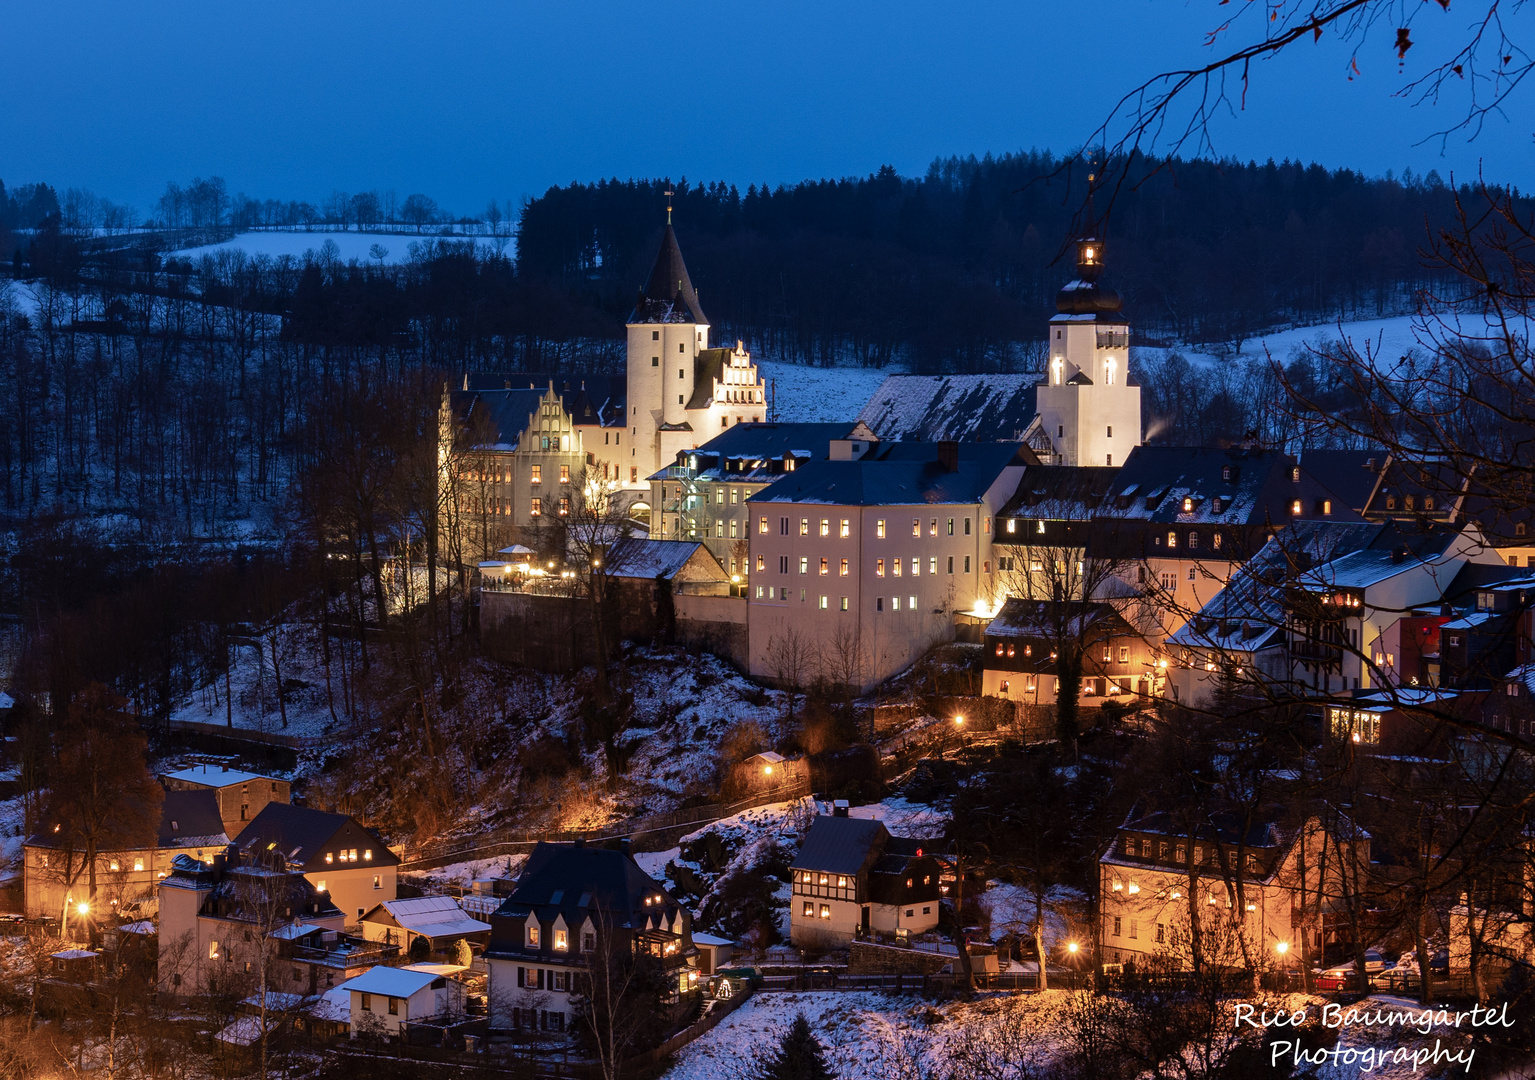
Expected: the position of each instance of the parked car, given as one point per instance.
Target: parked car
(1338, 976)
(1408, 961)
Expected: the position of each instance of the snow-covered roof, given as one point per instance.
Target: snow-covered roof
(633, 558)
(390, 981)
(515, 549)
(215, 776)
(710, 939)
(438, 969)
(143, 926)
(433, 916)
(966, 408)
(6, 701)
(334, 1005)
(74, 954)
(295, 930)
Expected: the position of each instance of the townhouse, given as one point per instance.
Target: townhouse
(1256, 886)
(853, 879)
(346, 861)
(241, 795)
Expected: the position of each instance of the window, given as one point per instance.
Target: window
(932, 527)
(879, 603)
(967, 564)
(825, 527)
(951, 527)
(564, 474)
(911, 603)
(655, 335)
(1161, 933)
(879, 529)
(783, 526)
(762, 526)
(394, 1006)
(588, 942)
(895, 603)
(783, 564)
(1012, 524)
(909, 912)
(804, 526)
(847, 528)
(824, 570)
(916, 526)
(951, 564)
(1180, 854)
(844, 603)
(1133, 929)
(532, 934)
(1172, 539)
(1295, 507)
(809, 909)
(561, 940)
(823, 602)
(1117, 925)
(879, 567)
(1326, 506)
(1193, 541)
(804, 564)
(895, 567)
(1295, 475)
(634, 474)
(916, 567)
(1192, 572)
(844, 568)
(564, 507)
(1216, 541)
(138, 864)
(367, 1002)
(761, 563)
(537, 507)
(538, 474)
(932, 564)
(378, 881)
(1124, 654)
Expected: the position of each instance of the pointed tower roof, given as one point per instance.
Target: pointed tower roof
(1085, 295)
(668, 295)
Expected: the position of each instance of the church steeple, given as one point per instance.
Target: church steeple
(668, 295)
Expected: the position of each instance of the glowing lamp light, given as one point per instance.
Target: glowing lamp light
(1087, 253)
(959, 721)
(1072, 946)
(1118, 886)
(1162, 664)
(767, 770)
(1252, 907)
(1211, 899)
(1176, 894)
(82, 908)
(1134, 888)
(1356, 736)
(735, 579)
(1282, 947)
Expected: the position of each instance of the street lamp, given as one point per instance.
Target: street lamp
(1072, 947)
(959, 721)
(1282, 947)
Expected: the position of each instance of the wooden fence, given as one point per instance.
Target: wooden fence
(650, 831)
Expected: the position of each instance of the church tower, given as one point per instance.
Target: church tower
(667, 331)
(1089, 413)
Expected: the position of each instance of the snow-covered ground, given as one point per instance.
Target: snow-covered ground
(350, 246)
(810, 395)
(871, 1036)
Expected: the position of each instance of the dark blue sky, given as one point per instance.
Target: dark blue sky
(481, 100)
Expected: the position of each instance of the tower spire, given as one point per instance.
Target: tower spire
(669, 195)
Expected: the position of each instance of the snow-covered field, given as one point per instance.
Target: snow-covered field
(350, 246)
(814, 395)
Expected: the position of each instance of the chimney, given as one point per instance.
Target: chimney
(839, 808)
(624, 845)
(1399, 553)
(948, 455)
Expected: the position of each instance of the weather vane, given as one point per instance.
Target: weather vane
(669, 195)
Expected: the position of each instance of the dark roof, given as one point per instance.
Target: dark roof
(756, 451)
(898, 474)
(574, 879)
(589, 397)
(967, 408)
(1255, 486)
(1019, 617)
(506, 413)
(1069, 492)
(302, 833)
(190, 814)
(668, 295)
(708, 365)
(1351, 474)
(841, 845)
(1223, 826)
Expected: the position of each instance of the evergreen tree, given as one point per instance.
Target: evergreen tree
(462, 954)
(800, 1056)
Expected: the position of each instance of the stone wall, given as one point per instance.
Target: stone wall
(713, 624)
(867, 958)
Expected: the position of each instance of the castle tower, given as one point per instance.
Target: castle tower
(1089, 413)
(667, 331)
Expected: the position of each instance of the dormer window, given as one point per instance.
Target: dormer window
(532, 934)
(1295, 475)
(561, 940)
(1188, 505)
(1226, 473)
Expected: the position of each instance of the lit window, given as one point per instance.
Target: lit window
(537, 508)
(804, 564)
(1326, 506)
(1188, 505)
(762, 526)
(564, 474)
(367, 855)
(916, 526)
(932, 527)
(824, 568)
(825, 527)
(847, 528)
(809, 911)
(1172, 539)
(825, 911)
(561, 941)
(895, 603)
(916, 567)
(329, 858)
(844, 568)
(844, 603)
(879, 529)
(879, 567)
(532, 934)
(804, 526)
(823, 602)
(911, 603)
(1012, 525)
(138, 864)
(564, 507)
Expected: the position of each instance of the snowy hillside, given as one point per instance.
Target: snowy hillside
(816, 395)
(350, 246)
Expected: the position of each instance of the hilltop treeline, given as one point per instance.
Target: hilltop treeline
(953, 269)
